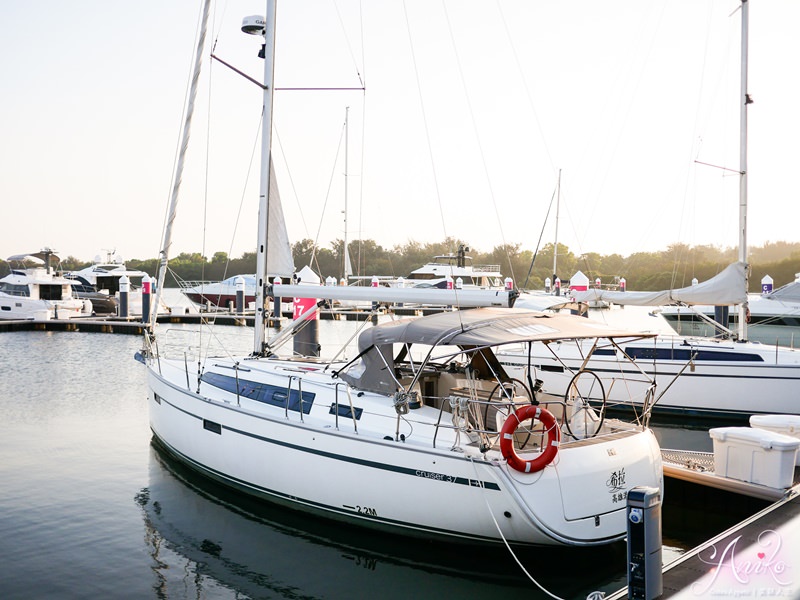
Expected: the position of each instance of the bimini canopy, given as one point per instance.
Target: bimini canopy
(724, 289)
(35, 257)
(480, 327)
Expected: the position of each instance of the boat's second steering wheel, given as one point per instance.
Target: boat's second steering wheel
(584, 385)
(504, 393)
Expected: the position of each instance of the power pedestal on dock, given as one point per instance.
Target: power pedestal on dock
(644, 543)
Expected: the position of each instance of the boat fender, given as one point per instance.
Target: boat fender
(513, 421)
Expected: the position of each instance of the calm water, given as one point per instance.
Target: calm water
(90, 509)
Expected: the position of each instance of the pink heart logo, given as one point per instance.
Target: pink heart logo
(761, 555)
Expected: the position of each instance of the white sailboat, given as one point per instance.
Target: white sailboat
(773, 317)
(718, 377)
(425, 433)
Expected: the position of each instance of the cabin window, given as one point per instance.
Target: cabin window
(14, 290)
(262, 392)
(686, 354)
(604, 352)
(212, 427)
(344, 411)
(50, 292)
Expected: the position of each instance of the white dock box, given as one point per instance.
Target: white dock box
(754, 455)
(785, 424)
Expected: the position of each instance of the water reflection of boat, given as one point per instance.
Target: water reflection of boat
(201, 535)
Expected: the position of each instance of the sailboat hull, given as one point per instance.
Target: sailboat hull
(416, 487)
(707, 378)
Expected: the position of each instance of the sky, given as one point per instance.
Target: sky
(470, 111)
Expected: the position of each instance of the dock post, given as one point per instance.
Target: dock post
(124, 290)
(722, 316)
(146, 289)
(239, 295)
(276, 302)
(374, 283)
(306, 339)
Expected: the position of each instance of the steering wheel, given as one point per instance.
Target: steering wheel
(499, 390)
(581, 391)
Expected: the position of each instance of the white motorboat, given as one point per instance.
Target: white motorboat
(101, 283)
(454, 270)
(38, 292)
(424, 433)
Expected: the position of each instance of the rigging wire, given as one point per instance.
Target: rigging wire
(425, 119)
(525, 85)
(539, 241)
(695, 148)
(291, 178)
(327, 195)
(506, 246)
(347, 39)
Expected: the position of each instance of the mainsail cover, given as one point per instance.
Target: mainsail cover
(725, 289)
(279, 250)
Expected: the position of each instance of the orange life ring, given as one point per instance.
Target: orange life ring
(529, 411)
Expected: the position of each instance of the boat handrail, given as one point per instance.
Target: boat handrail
(485, 268)
(337, 385)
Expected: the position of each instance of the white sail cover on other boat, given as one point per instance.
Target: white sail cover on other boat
(726, 288)
(279, 250)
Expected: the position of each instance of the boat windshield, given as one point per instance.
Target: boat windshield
(14, 290)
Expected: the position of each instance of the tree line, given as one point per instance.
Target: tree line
(646, 271)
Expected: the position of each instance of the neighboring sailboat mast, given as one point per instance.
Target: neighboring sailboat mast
(263, 206)
(555, 237)
(744, 101)
(347, 268)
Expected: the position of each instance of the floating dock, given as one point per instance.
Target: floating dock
(758, 557)
(698, 468)
(134, 326)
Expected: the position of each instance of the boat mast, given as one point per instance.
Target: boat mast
(266, 141)
(347, 268)
(555, 237)
(744, 101)
(176, 182)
